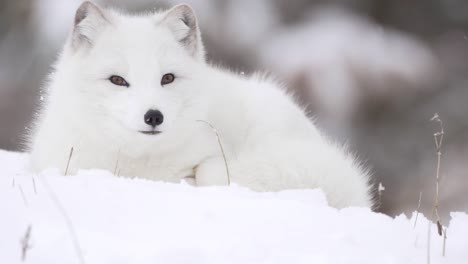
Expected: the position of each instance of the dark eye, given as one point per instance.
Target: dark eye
(117, 80)
(167, 78)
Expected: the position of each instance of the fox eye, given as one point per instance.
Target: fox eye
(117, 80)
(167, 78)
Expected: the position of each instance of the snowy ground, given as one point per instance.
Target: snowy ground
(117, 220)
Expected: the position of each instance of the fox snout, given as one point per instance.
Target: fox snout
(154, 118)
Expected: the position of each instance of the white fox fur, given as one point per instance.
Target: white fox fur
(270, 143)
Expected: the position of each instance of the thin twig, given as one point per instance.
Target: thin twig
(34, 185)
(419, 208)
(116, 167)
(222, 149)
(438, 139)
(68, 162)
(380, 190)
(66, 217)
(25, 245)
(22, 195)
(445, 241)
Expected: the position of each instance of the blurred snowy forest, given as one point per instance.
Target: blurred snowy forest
(372, 73)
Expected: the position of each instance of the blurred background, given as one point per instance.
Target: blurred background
(371, 72)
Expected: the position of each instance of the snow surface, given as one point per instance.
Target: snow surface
(121, 220)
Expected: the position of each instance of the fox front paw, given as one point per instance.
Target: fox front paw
(212, 172)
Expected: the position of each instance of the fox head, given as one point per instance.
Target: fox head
(132, 72)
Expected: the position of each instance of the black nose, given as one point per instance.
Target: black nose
(154, 118)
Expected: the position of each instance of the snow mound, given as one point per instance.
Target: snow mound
(119, 220)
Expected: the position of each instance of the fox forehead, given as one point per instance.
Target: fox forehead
(136, 44)
(141, 31)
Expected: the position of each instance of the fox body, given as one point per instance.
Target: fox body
(134, 95)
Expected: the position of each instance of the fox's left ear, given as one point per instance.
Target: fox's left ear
(182, 21)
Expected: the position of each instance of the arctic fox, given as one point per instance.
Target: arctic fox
(134, 95)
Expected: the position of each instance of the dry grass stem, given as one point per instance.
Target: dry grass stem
(380, 190)
(445, 241)
(68, 162)
(66, 217)
(438, 139)
(25, 245)
(23, 196)
(222, 149)
(34, 185)
(116, 167)
(419, 208)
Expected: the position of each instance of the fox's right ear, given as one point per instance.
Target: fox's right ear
(182, 21)
(89, 20)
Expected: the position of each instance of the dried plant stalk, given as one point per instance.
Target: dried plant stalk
(68, 162)
(419, 208)
(438, 139)
(25, 245)
(222, 149)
